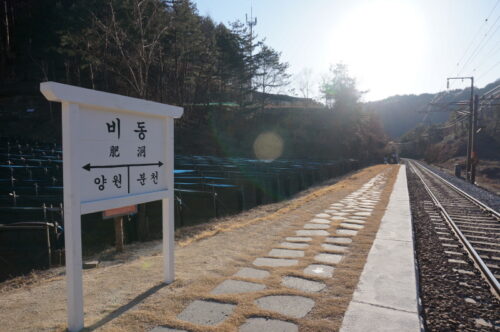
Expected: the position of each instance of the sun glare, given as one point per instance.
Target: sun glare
(380, 41)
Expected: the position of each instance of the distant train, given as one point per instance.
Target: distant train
(391, 159)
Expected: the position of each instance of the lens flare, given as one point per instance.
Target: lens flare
(268, 146)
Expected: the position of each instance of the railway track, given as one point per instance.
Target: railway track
(475, 225)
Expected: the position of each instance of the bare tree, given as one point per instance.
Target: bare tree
(271, 74)
(135, 40)
(304, 81)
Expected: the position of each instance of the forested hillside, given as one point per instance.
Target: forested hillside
(223, 75)
(438, 143)
(401, 114)
(159, 50)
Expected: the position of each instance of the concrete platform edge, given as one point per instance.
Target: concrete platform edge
(386, 298)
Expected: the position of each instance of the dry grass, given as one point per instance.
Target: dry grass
(331, 303)
(487, 173)
(129, 297)
(230, 225)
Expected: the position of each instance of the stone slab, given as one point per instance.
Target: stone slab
(258, 324)
(351, 226)
(328, 246)
(338, 218)
(286, 253)
(356, 221)
(311, 232)
(357, 217)
(206, 312)
(288, 305)
(248, 272)
(316, 226)
(298, 239)
(347, 232)
(341, 214)
(165, 329)
(294, 245)
(320, 221)
(319, 270)
(274, 262)
(362, 317)
(338, 240)
(322, 215)
(302, 284)
(328, 258)
(367, 205)
(237, 286)
(363, 213)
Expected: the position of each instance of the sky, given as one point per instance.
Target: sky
(391, 47)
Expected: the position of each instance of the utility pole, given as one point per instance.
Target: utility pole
(471, 123)
(251, 23)
(474, 140)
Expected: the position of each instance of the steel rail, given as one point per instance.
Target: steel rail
(490, 278)
(462, 192)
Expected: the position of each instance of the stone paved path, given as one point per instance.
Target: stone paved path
(352, 212)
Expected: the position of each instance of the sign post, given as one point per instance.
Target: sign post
(117, 151)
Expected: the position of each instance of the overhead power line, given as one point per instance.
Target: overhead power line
(489, 38)
(486, 38)
(477, 33)
(454, 122)
(490, 55)
(487, 71)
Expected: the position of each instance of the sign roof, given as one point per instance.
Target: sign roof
(54, 91)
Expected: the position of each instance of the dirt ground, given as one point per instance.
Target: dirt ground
(126, 294)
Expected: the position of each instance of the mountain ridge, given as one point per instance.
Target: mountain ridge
(400, 114)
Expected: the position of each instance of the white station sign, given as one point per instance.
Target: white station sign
(117, 151)
(122, 154)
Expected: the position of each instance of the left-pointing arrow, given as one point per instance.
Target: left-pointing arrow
(88, 167)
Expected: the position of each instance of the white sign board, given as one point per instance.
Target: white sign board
(122, 155)
(117, 151)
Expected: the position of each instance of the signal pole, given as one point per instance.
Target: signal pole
(471, 123)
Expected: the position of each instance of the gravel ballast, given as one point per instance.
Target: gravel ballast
(488, 198)
(454, 296)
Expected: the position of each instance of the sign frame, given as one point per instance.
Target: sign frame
(75, 100)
